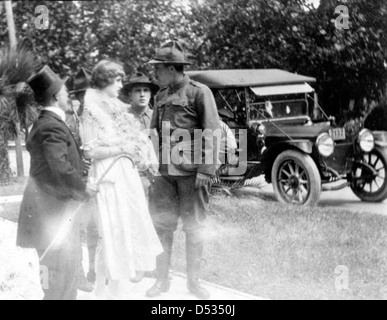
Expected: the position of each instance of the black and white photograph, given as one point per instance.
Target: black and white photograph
(204, 151)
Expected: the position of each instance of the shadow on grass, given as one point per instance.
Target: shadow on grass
(285, 252)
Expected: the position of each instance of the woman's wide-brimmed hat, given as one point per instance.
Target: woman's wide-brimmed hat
(140, 79)
(45, 84)
(171, 53)
(81, 81)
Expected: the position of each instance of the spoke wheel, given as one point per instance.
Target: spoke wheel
(371, 185)
(296, 179)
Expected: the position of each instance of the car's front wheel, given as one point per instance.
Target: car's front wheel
(296, 179)
(369, 181)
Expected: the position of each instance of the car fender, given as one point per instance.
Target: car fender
(269, 156)
(380, 139)
(273, 151)
(303, 145)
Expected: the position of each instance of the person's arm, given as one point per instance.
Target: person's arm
(104, 152)
(55, 149)
(210, 122)
(95, 145)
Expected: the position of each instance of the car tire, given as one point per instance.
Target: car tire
(371, 188)
(296, 179)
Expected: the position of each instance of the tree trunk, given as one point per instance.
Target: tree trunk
(11, 25)
(13, 44)
(5, 171)
(19, 151)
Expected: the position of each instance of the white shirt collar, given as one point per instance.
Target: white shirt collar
(59, 112)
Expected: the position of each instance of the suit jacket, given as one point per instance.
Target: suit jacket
(55, 181)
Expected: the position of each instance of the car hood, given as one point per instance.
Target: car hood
(297, 132)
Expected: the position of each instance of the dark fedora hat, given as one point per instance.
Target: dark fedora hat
(81, 81)
(171, 53)
(45, 84)
(140, 79)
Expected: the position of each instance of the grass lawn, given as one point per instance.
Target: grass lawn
(274, 251)
(280, 252)
(15, 188)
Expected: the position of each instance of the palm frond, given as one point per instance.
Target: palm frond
(16, 65)
(16, 97)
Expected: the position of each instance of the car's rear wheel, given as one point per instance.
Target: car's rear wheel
(296, 179)
(369, 178)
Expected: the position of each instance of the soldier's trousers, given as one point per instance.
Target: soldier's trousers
(174, 197)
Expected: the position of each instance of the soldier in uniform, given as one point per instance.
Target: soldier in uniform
(79, 84)
(182, 190)
(140, 90)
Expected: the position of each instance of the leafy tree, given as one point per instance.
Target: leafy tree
(16, 101)
(82, 32)
(349, 64)
(130, 31)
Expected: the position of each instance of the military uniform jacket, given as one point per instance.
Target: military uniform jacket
(55, 181)
(190, 106)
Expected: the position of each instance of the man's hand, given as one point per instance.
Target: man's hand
(202, 180)
(92, 189)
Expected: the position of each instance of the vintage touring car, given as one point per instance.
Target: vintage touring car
(290, 139)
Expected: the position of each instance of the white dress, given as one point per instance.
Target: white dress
(128, 240)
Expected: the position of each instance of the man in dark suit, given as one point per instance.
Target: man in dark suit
(54, 190)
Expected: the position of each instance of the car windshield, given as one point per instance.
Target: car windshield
(278, 107)
(232, 106)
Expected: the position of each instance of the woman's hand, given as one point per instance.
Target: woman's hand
(130, 149)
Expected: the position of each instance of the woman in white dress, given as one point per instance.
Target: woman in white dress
(128, 241)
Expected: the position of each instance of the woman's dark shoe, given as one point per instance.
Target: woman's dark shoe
(161, 286)
(196, 289)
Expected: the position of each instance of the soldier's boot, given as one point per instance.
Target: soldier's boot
(163, 263)
(194, 251)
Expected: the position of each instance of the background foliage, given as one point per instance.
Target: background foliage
(349, 64)
(288, 34)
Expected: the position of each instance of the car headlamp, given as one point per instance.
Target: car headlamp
(325, 145)
(366, 140)
(262, 129)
